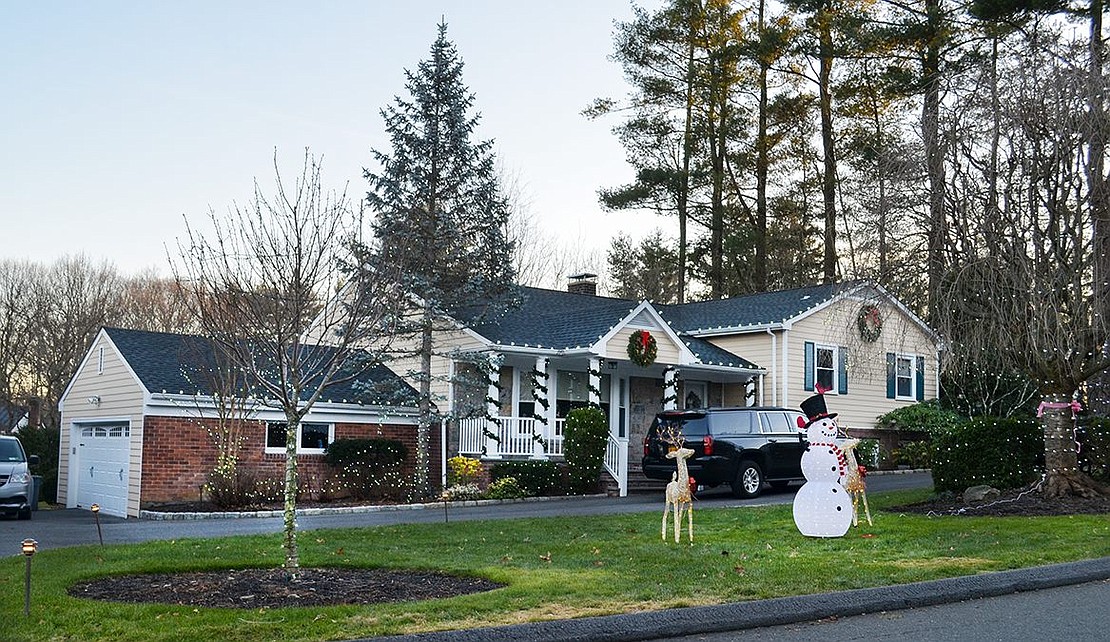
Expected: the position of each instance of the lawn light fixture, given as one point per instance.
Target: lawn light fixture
(95, 508)
(30, 546)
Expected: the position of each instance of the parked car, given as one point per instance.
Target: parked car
(16, 485)
(743, 447)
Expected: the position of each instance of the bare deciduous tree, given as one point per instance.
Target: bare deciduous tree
(265, 280)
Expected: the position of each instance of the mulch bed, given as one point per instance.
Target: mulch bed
(271, 588)
(1010, 503)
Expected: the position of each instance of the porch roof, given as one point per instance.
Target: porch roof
(558, 320)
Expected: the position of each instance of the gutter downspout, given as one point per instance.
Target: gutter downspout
(774, 358)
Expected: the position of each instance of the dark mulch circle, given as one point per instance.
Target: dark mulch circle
(1010, 503)
(271, 588)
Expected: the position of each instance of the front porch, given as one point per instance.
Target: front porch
(527, 400)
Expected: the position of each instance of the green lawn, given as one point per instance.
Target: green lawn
(554, 568)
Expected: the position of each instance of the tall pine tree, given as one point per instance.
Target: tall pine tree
(440, 219)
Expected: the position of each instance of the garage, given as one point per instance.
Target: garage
(101, 466)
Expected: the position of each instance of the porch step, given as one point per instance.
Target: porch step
(637, 483)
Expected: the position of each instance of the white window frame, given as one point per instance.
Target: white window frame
(914, 374)
(270, 450)
(818, 347)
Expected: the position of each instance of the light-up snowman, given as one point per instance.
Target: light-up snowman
(822, 508)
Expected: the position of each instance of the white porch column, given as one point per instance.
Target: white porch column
(750, 392)
(595, 382)
(670, 390)
(493, 407)
(546, 427)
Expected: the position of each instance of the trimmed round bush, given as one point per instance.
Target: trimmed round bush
(368, 468)
(536, 478)
(1004, 453)
(584, 439)
(504, 488)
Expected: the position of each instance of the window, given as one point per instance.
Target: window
(826, 366)
(905, 376)
(311, 438)
(780, 422)
(825, 369)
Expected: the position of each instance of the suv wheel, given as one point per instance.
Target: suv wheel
(749, 480)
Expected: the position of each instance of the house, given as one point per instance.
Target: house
(12, 417)
(135, 422)
(558, 350)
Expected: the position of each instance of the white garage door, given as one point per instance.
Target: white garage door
(101, 467)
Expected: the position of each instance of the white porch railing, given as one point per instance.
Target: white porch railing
(515, 437)
(616, 462)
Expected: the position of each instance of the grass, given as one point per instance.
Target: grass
(554, 568)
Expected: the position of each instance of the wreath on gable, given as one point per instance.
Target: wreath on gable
(870, 322)
(642, 348)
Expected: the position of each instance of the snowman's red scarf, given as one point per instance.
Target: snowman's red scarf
(841, 458)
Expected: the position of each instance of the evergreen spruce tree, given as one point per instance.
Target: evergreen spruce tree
(440, 219)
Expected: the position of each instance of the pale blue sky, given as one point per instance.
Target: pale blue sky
(118, 118)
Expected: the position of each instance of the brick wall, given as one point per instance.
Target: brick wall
(178, 454)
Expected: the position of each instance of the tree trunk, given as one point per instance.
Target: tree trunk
(934, 153)
(828, 182)
(289, 512)
(1062, 475)
(761, 168)
(1099, 400)
(424, 426)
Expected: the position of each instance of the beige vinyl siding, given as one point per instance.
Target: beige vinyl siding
(446, 342)
(617, 347)
(757, 348)
(121, 397)
(866, 399)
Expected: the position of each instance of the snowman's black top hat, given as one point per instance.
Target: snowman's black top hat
(815, 409)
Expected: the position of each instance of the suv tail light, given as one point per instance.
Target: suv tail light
(707, 444)
(646, 453)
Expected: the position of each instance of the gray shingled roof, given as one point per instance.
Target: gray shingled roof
(563, 320)
(556, 319)
(751, 310)
(171, 363)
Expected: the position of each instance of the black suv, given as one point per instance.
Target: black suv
(740, 446)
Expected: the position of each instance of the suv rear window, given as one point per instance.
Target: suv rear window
(732, 423)
(691, 427)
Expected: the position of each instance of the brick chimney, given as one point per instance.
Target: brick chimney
(584, 283)
(34, 411)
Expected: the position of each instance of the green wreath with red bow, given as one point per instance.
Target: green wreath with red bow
(870, 323)
(642, 348)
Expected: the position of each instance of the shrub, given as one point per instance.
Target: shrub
(867, 453)
(534, 477)
(584, 440)
(927, 416)
(229, 486)
(463, 470)
(42, 441)
(1094, 447)
(1004, 453)
(505, 488)
(462, 492)
(915, 454)
(369, 468)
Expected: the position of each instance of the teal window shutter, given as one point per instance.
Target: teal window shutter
(921, 378)
(842, 371)
(891, 376)
(811, 361)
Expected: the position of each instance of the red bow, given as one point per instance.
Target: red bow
(645, 337)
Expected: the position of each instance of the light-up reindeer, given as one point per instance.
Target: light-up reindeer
(678, 490)
(853, 481)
